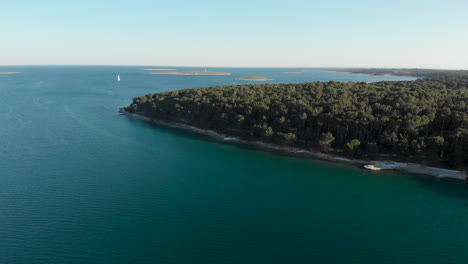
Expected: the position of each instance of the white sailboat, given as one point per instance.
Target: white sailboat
(118, 78)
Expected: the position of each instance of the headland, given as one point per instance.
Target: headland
(297, 152)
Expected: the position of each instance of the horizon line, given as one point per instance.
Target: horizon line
(245, 67)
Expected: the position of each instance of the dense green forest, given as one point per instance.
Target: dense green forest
(424, 120)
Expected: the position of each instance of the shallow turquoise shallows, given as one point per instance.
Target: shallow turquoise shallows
(80, 183)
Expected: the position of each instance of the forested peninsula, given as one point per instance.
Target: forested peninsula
(424, 121)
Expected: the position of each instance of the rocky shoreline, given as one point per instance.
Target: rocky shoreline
(381, 165)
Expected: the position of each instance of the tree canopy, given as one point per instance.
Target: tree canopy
(424, 120)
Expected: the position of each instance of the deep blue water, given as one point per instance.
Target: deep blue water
(81, 184)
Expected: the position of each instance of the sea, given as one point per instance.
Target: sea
(80, 183)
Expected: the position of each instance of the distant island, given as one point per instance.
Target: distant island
(9, 72)
(199, 72)
(160, 69)
(253, 78)
(423, 121)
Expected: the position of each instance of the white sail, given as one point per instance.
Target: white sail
(118, 78)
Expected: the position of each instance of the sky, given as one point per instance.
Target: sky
(238, 33)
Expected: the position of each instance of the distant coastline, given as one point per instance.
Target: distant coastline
(297, 152)
(361, 73)
(9, 72)
(351, 72)
(159, 69)
(419, 73)
(253, 78)
(422, 73)
(198, 72)
(302, 71)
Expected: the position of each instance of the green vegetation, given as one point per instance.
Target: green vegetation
(424, 120)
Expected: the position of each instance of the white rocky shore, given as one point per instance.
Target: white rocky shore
(416, 168)
(373, 165)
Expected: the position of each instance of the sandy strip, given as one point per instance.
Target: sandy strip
(160, 69)
(253, 79)
(192, 73)
(384, 165)
(9, 72)
(358, 73)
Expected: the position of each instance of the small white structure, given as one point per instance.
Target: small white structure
(372, 167)
(118, 78)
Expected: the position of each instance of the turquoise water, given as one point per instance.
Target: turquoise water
(81, 184)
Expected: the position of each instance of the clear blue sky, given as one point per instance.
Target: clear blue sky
(326, 33)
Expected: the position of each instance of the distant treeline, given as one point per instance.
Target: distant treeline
(408, 72)
(424, 120)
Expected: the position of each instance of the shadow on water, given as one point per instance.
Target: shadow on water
(448, 187)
